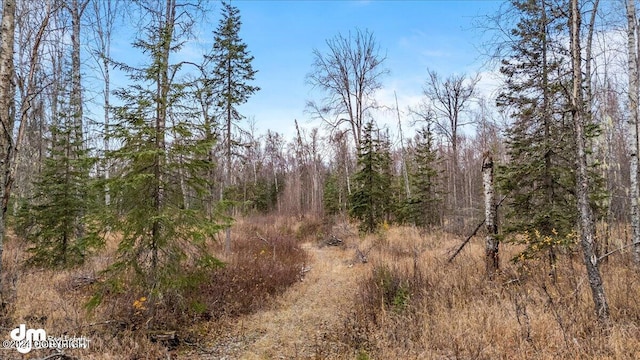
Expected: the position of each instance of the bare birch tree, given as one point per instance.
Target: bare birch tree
(491, 244)
(449, 99)
(349, 74)
(633, 127)
(102, 25)
(7, 36)
(586, 225)
(33, 28)
(76, 10)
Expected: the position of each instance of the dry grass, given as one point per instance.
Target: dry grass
(55, 300)
(414, 305)
(406, 302)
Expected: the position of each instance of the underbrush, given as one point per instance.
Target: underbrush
(127, 324)
(388, 299)
(260, 268)
(416, 305)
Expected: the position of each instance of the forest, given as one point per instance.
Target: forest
(146, 215)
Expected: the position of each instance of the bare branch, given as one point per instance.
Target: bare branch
(349, 74)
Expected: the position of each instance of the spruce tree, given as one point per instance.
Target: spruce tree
(230, 80)
(390, 183)
(62, 198)
(538, 179)
(423, 206)
(163, 241)
(331, 200)
(370, 199)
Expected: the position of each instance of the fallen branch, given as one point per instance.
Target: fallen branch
(613, 252)
(472, 235)
(466, 241)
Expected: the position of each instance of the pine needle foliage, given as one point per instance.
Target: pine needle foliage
(230, 79)
(231, 73)
(62, 200)
(422, 207)
(163, 155)
(331, 200)
(232, 69)
(371, 198)
(539, 179)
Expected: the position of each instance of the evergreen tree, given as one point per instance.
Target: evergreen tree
(331, 199)
(232, 73)
(265, 195)
(370, 199)
(538, 179)
(163, 240)
(422, 208)
(390, 182)
(58, 210)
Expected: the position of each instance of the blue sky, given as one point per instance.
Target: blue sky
(414, 35)
(281, 35)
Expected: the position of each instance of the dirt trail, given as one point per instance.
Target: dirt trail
(305, 322)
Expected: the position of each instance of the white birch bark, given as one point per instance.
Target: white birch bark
(633, 127)
(586, 225)
(491, 243)
(7, 38)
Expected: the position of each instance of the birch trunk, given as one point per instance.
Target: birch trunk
(104, 11)
(76, 9)
(586, 226)
(7, 37)
(633, 126)
(107, 105)
(405, 173)
(28, 91)
(491, 245)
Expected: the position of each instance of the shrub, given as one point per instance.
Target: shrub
(258, 270)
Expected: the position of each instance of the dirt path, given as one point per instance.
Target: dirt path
(305, 322)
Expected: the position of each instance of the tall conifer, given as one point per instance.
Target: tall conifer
(163, 240)
(62, 198)
(538, 178)
(370, 200)
(423, 205)
(232, 74)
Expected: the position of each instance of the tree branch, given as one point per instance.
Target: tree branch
(613, 252)
(464, 243)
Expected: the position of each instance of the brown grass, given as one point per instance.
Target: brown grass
(406, 302)
(415, 305)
